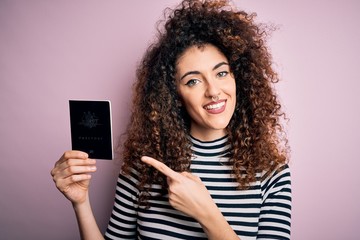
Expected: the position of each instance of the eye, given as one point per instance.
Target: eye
(222, 74)
(192, 82)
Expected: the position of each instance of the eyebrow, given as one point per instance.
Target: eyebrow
(197, 72)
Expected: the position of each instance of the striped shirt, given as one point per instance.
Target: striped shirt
(262, 211)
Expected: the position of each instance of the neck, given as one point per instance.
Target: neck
(208, 135)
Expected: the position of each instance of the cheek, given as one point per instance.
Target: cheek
(231, 91)
(188, 104)
(230, 88)
(191, 102)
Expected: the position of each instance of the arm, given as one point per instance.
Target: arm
(215, 225)
(200, 206)
(275, 213)
(123, 220)
(71, 175)
(86, 221)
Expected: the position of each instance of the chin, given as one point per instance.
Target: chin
(220, 126)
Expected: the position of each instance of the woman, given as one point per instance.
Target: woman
(205, 156)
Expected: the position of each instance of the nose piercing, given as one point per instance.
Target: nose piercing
(215, 98)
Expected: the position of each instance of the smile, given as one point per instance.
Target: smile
(214, 106)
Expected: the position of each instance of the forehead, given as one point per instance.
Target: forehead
(199, 57)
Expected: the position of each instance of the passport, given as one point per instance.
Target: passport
(91, 128)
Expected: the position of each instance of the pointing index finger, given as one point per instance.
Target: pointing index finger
(160, 166)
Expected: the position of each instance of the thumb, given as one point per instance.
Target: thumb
(191, 176)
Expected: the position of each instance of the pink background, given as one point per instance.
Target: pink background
(53, 51)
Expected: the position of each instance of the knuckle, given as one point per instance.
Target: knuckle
(74, 178)
(70, 162)
(161, 167)
(58, 184)
(172, 189)
(70, 154)
(71, 169)
(67, 155)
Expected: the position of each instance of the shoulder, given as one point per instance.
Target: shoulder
(277, 180)
(280, 171)
(131, 178)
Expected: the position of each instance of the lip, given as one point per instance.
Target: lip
(215, 109)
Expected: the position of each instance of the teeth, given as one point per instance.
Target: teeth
(218, 105)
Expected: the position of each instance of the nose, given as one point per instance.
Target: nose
(212, 88)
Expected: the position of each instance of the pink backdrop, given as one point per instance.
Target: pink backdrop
(52, 51)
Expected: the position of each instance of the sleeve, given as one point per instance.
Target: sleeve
(123, 220)
(275, 212)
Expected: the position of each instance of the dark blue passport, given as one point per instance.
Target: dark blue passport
(91, 129)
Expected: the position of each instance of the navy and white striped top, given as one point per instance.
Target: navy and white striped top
(261, 212)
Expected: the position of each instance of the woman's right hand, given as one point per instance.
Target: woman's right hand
(71, 175)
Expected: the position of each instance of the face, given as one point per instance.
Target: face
(207, 89)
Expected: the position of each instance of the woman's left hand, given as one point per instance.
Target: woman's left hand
(187, 193)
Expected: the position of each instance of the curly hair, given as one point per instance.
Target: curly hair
(160, 126)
